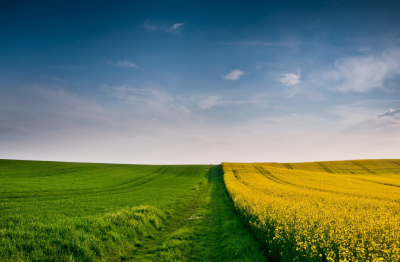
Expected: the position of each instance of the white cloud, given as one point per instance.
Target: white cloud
(389, 118)
(127, 64)
(390, 113)
(290, 79)
(361, 73)
(175, 27)
(234, 75)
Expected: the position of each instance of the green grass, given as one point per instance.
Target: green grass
(53, 189)
(51, 211)
(209, 230)
(87, 212)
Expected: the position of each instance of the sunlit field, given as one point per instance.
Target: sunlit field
(85, 212)
(51, 211)
(320, 211)
(317, 211)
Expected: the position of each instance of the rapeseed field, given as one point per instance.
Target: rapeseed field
(320, 211)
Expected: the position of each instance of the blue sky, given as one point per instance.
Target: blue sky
(199, 81)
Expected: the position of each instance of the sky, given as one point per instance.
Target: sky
(199, 82)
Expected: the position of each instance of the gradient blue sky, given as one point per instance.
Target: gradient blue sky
(199, 81)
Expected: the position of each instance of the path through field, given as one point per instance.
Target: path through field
(206, 230)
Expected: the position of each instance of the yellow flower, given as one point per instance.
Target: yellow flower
(333, 211)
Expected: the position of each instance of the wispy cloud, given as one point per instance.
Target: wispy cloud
(40, 110)
(129, 132)
(361, 73)
(208, 102)
(161, 26)
(291, 91)
(290, 79)
(361, 121)
(175, 27)
(126, 64)
(53, 118)
(363, 49)
(131, 94)
(149, 102)
(258, 43)
(352, 113)
(234, 75)
(290, 119)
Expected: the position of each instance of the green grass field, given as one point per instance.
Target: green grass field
(52, 211)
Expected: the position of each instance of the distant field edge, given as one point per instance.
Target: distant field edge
(105, 163)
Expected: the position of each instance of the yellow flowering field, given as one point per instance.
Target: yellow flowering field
(320, 211)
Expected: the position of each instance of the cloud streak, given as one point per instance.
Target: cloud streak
(126, 64)
(208, 102)
(161, 27)
(149, 102)
(233, 75)
(258, 43)
(175, 27)
(361, 73)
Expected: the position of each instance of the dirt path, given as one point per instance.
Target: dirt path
(208, 230)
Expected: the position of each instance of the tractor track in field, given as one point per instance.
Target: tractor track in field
(207, 230)
(142, 254)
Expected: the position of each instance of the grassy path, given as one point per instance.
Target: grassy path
(207, 229)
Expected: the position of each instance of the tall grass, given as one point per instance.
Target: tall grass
(85, 239)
